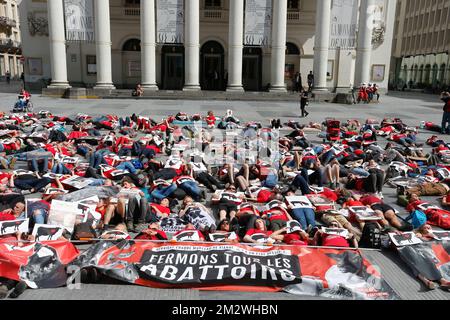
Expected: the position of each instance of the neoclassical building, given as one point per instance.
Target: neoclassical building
(421, 46)
(214, 54)
(10, 40)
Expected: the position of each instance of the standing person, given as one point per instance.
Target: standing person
(310, 81)
(22, 78)
(304, 100)
(353, 90)
(445, 96)
(299, 83)
(8, 77)
(294, 83)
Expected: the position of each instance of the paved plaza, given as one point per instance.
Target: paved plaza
(411, 108)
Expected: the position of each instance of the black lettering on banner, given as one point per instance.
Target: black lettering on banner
(219, 266)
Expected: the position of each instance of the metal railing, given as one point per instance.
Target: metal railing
(134, 12)
(7, 22)
(10, 43)
(293, 15)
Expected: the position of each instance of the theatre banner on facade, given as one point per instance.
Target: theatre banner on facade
(344, 24)
(79, 15)
(258, 22)
(170, 21)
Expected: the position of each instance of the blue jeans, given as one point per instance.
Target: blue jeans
(300, 183)
(446, 122)
(59, 168)
(360, 172)
(96, 159)
(192, 189)
(35, 165)
(36, 184)
(314, 177)
(127, 166)
(39, 216)
(306, 217)
(271, 181)
(162, 193)
(97, 182)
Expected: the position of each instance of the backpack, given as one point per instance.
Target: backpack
(418, 218)
(371, 236)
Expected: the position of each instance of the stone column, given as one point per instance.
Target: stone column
(364, 46)
(103, 45)
(322, 44)
(57, 39)
(192, 45)
(148, 45)
(278, 61)
(236, 45)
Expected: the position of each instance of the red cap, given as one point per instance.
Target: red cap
(359, 152)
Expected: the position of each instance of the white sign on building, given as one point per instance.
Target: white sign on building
(258, 22)
(170, 21)
(79, 16)
(344, 24)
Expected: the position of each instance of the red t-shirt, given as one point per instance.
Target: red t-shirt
(161, 208)
(76, 135)
(330, 194)
(354, 203)
(334, 241)
(264, 196)
(294, 239)
(413, 205)
(143, 236)
(370, 200)
(6, 216)
(251, 232)
(277, 214)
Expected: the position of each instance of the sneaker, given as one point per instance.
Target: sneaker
(25, 192)
(12, 163)
(401, 191)
(18, 290)
(4, 164)
(3, 292)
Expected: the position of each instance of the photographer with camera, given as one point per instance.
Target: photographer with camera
(445, 96)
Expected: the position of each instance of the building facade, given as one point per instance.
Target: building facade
(10, 39)
(213, 55)
(421, 46)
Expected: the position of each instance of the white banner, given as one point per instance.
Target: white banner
(170, 21)
(344, 24)
(79, 16)
(258, 22)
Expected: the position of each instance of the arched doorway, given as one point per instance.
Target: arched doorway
(292, 64)
(442, 74)
(420, 79)
(416, 72)
(212, 66)
(434, 75)
(172, 67)
(131, 63)
(427, 74)
(405, 73)
(252, 69)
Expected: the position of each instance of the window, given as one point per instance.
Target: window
(213, 4)
(91, 62)
(132, 45)
(293, 4)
